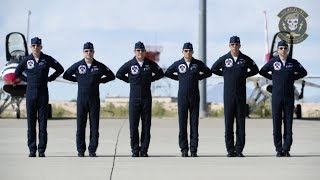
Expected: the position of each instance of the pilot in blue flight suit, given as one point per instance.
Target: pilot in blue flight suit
(188, 71)
(140, 72)
(284, 71)
(34, 70)
(89, 73)
(234, 67)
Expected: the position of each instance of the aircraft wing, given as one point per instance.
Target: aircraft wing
(305, 82)
(255, 78)
(312, 84)
(258, 78)
(312, 77)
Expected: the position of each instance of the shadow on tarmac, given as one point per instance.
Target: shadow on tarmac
(178, 156)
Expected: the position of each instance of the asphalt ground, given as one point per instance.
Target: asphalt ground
(114, 159)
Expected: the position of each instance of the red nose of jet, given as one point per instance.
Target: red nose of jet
(11, 79)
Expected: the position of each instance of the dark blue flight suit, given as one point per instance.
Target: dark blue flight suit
(140, 102)
(88, 100)
(188, 99)
(37, 97)
(283, 77)
(234, 74)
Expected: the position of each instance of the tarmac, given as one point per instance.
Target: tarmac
(114, 159)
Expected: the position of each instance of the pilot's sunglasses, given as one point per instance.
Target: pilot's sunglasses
(90, 50)
(187, 50)
(140, 50)
(283, 48)
(35, 45)
(233, 44)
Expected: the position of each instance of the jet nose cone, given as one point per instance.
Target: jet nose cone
(11, 79)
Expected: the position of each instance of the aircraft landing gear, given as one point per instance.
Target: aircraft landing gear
(49, 111)
(298, 111)
(247, 111)
(18, 102)
(18, 113)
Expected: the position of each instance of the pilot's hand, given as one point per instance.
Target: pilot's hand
(103, 80)
(50, 79)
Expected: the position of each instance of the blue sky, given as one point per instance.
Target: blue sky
(114, 26)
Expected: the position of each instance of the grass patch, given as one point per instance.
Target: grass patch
(216, 112)
(110, 110)
(263, 110)
(58, 111)
(158, 110)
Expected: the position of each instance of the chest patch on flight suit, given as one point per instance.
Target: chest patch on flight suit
(41, 62)
(147, 68)
(82, 69)
(228, 62)
(289, 65)
(94, 68)
(30, 64)
(241, 61)
(182, 68)
(134, 69)
(194, 66)
(277, 66)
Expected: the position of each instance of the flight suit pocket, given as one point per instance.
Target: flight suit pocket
(242, 68)
(95, 76)
(147, 75)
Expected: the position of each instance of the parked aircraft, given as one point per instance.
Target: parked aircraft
(13, 90)
(263, 87)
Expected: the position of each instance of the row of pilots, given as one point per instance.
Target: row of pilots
(140, 72)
